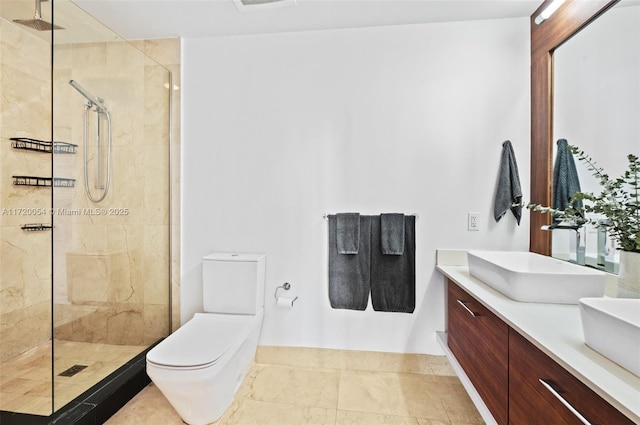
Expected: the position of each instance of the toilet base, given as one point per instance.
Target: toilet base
(202, 395)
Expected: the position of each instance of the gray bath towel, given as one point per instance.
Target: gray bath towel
(348, 233)
(565, 178)
(508, 190)
(393, 277)
(350, 275)
(392, 233)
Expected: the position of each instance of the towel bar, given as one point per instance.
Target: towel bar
(325, 216)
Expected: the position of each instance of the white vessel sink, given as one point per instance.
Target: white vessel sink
(612, 327)
(535, 278)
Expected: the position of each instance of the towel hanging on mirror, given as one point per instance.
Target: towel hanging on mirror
(566, 182)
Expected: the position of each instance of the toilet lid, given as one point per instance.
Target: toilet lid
(201, 341)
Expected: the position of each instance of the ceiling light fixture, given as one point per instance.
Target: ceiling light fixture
(548, 11)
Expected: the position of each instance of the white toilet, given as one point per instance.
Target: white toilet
(199, 367)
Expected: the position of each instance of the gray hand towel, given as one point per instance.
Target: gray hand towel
(393, 277)
(392, 233)
(348, 233)
(565, 178)
(508, 191)
(350, 275)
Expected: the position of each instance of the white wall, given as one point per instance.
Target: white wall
(280, 129)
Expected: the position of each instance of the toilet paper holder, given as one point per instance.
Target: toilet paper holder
(286, 286)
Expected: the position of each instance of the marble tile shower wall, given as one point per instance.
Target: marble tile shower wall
(167, 53)
(112, 283)
(110, 272)
(25, 257)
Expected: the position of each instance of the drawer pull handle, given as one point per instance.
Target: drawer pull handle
(466, 308)
(565, 402)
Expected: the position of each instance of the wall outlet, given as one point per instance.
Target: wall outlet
(473, 221)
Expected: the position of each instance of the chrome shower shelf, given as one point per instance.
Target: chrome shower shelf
(29, 144)
(36, 227)
(43, 181)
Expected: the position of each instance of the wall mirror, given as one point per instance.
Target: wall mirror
(596, 105)
(569, 100)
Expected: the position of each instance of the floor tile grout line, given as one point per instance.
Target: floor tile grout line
(448, 377)
(395, 415)
(338, 394)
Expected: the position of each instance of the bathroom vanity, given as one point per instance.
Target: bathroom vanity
(527, 362)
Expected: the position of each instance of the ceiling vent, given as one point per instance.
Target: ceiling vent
(244, 5)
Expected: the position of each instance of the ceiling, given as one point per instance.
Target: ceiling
(148, 19)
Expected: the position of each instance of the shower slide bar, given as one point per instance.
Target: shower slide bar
(97, 104)
(326, 215)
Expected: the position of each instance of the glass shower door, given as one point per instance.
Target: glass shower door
(84, 205)
(111, 219)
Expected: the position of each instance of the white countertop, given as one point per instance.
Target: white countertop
(556, 329)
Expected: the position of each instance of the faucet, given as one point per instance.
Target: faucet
(578, 249)
(603, 250)
(608, 255)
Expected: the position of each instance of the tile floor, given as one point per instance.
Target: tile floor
(295, 386)
(25, 380)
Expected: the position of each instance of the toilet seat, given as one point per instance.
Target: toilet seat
(202, 341)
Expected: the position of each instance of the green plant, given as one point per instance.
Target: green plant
(618, 202)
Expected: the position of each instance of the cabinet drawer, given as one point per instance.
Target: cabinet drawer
(479, 341)
(533, 402)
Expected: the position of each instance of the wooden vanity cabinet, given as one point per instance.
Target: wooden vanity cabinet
(515, 379)
(533, 402)
(479, 341)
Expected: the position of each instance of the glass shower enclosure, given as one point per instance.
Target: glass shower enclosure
(84, 204)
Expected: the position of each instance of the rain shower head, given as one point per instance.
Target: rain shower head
(37, 23)
(93, 100)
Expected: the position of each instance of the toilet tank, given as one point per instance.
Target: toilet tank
(233, 283)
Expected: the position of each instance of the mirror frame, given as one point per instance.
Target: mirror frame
(568, 20)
